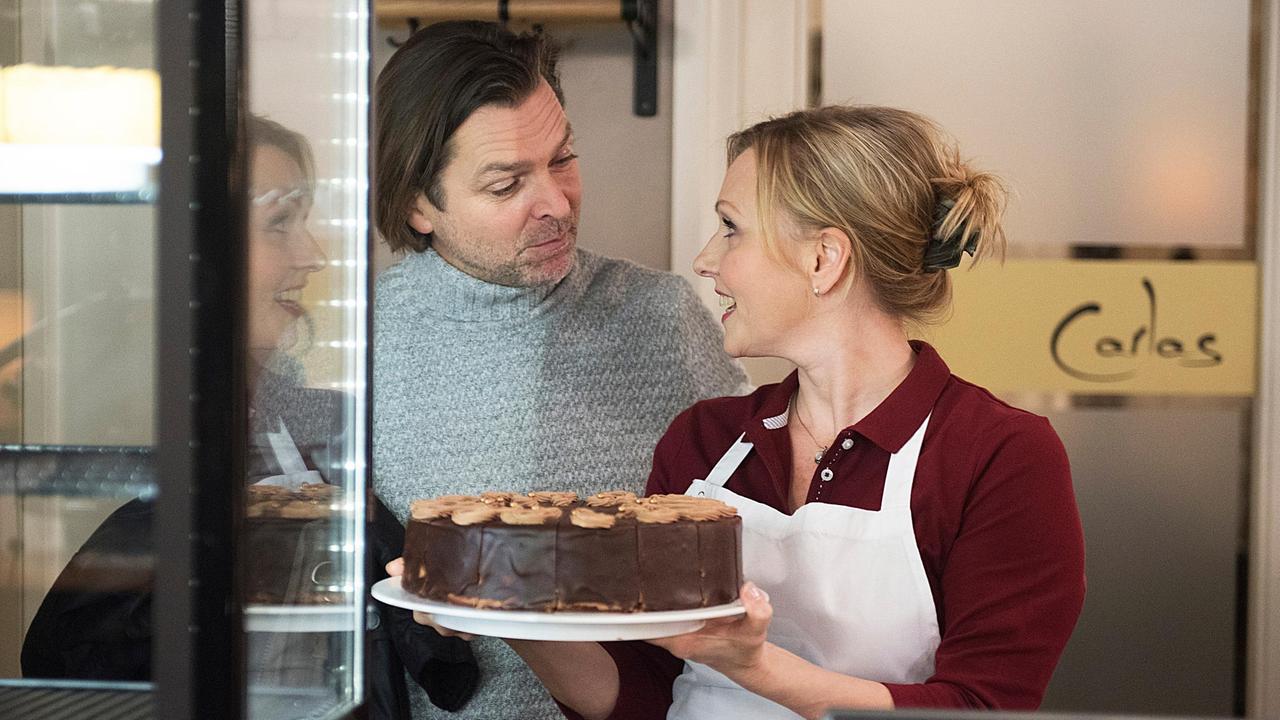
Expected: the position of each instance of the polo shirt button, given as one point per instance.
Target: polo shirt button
(847, 444)
(826, 474)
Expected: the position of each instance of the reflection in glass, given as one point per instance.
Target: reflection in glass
(302, 546)
(295, 562)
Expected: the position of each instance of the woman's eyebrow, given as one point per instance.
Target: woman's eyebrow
(727, 204)
(280, 195)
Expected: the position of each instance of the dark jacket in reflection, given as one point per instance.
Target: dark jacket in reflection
(95, 623)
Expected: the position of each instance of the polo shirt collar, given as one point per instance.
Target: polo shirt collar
(894, 421)
(775, 408)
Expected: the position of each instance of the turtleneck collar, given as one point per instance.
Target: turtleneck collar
(445, 290)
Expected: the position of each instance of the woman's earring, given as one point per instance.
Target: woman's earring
(815, 290)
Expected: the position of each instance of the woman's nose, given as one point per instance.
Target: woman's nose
(708, 261)
(310, 257)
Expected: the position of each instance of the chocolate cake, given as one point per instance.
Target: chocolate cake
(292, 555)
(551, 551)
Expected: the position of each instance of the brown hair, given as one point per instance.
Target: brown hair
(882, 176)
(431, 85)
(264, 132)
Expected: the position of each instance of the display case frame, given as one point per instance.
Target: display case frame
(202, 406)
(201, 424)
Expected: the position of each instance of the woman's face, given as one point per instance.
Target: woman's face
(762, 299)
(282, 252)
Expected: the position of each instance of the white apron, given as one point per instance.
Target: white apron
(847, 585)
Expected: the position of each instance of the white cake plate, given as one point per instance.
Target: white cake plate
(301, 618)
(564, 626)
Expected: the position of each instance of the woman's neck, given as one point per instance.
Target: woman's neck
(849, 371)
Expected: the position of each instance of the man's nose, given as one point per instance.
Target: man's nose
(553, 199)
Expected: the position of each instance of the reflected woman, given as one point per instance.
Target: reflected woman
(282, 251)
(95, 623)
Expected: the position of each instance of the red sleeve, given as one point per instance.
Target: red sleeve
(646, 672)
(667, 475)
(1013, 584)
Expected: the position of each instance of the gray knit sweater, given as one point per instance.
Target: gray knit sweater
(562, 387)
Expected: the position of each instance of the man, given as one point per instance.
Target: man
(505, 358)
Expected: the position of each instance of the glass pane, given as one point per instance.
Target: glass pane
(66, 57)
(1138, 472)
(1123, 131)
(77, 338)
(307, 230)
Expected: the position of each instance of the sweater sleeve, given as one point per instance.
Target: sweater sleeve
(443, 666)
(1013, 585)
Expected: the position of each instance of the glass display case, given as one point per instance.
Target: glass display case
(183, 357)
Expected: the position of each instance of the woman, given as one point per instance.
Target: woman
(911, 539)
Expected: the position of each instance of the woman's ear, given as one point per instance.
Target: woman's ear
(831, 259)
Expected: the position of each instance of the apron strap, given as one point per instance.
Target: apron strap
(902, 470)
(729, 462)
(286, 451)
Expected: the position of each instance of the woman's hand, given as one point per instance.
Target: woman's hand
(734, 646)
(395, 568)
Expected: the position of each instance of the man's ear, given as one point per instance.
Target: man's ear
(831, 259)
(421, 213)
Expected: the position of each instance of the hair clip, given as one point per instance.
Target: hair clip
(944, 253)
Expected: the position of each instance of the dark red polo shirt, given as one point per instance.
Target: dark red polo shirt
(995, 521)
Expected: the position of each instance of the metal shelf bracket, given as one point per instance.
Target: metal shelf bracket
(640, 17)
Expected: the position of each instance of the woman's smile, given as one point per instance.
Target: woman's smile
(291, 300)
(727, 305)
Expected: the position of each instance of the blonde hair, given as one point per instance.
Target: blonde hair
(883, 176)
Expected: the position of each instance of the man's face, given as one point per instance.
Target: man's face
(511, 195)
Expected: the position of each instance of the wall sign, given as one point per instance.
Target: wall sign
(1105, 327)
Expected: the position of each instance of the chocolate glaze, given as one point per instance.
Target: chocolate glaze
(516, 561)
(289, 562)
(670, 585)
(459, 542)
(720, 580)
(414, 579)
(559, 566)
(597, 569)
